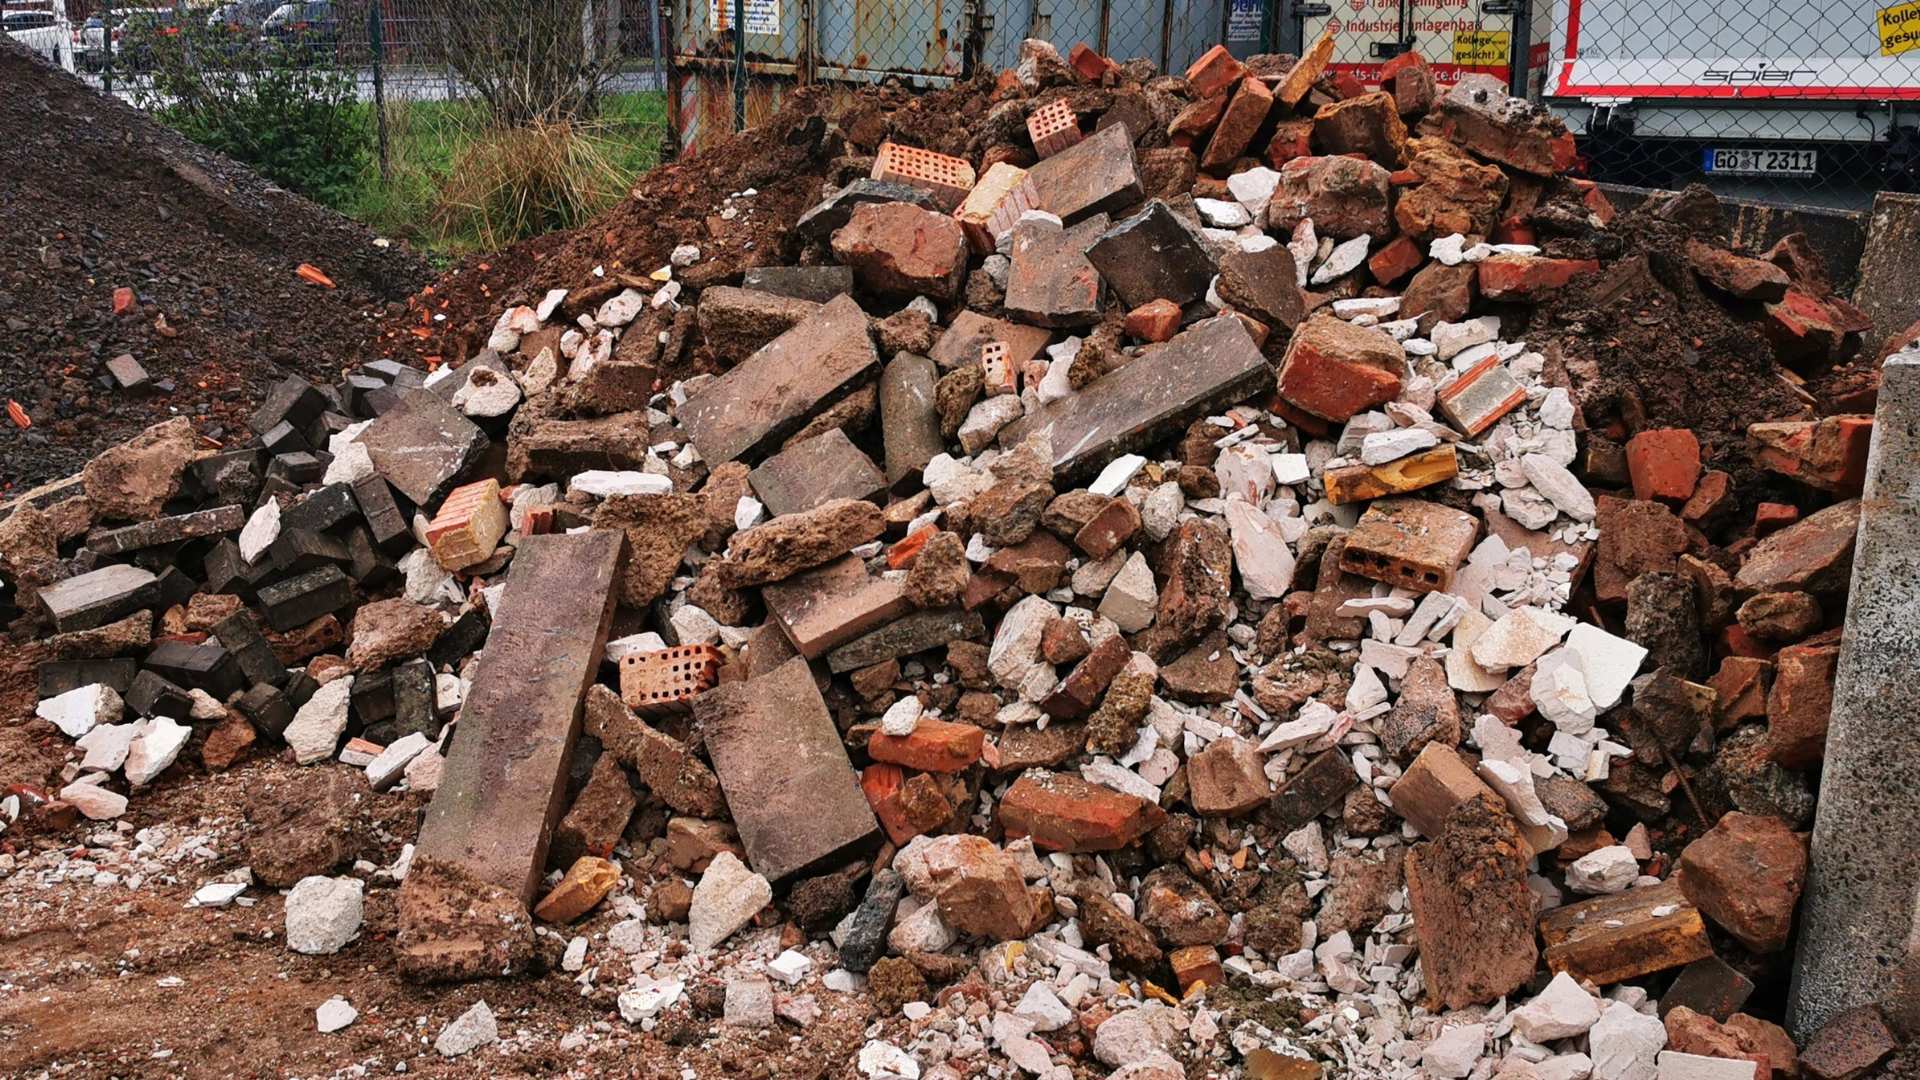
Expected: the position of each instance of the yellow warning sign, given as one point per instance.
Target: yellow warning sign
(1899, 28)
(1487, 48)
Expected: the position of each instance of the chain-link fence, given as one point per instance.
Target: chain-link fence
(1789, 101)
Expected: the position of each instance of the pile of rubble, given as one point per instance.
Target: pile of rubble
(1182, 587)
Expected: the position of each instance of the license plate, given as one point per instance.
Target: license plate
(1762, 162)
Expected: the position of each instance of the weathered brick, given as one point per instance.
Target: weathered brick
(933, 746)
(1829, 453)
(947, 179)
(904, 251)
(1064, 813)
(1477, 114)
(1242, 119)
(1664, 464)
(1344, 196)
(1472, 910)
(1096, 175)
(1430, 789)
(995, 203)
(1529, 278)
(468, 526)
(1481, 395)
(1334, 369)
(1612, 938)
(1800, 704)
(1368, 125)
(664, 683)
(1324, 782)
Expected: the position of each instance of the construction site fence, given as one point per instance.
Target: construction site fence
(1788, 101)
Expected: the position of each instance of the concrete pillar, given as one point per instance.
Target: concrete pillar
(1860, 913)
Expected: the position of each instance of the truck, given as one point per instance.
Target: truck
(1787, 100)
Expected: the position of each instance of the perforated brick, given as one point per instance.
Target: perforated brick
(469, 525)
(663, 683)
(1053, 128)
(949, 179)
(1001, 377)
(994, 204)
(1409, 542)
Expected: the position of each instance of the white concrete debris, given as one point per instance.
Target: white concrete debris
(318, 725)
(1559, 691)
(1454, 1053)
(1343, 260)
(1624, 1043)
(262, 528)
(106, 746)
(728, 897)
(472, 1030)
(386, 769)
(790, 966)
(884, 1061)
(93, 801)
(1043, 1008)
(648, 999)
(1562, 1011)
(1384, 446)
(77, 711)
(1561, 488)
(1609, 663)
(1260, 552)
(1114, 477)
(1222, 214)
(1520, 637)
(902, 716)
(156, 747)
(1674, 1065)
(575, 957)
(323, 914)
(603, 483)
(1131, 598)
(334, 1014)
(1603, 870)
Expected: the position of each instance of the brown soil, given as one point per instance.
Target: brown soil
(95, 196)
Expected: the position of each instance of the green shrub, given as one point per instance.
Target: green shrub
(289, 110)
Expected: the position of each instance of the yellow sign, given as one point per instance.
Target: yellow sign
(1488, 48)
(1899, 28)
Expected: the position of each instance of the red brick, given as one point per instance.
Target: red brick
(1196, 119)
(1106, 531)
(1156, 321)
(1238, 124)
(536, 521)
(1214, 73)
(934, 746)
(1081, 688)
(1196, 964)
(901, 555)
(1829, 453)
(1513, 230)
(1518, 277)
(1090, 65)
(1396, 260)
(1334, 369)
(948, 178)
(1664, 464)
(899, 249)
(123, 300)
(1409, 78)
(1771, 517)
(1065, 813)
(1800, 327)
(1291, 139)
(1410, 542)
(663, 683)
(1368, 125)
(1741, 686)
(1745, 874)
(1709, 498)
(881, 783)
(1053, 127)
(1814, 555)
(1800, 705)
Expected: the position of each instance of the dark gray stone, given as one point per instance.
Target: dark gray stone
(98, 597)
(866, 937)
(816, 283)
(423, 447)
(1154, 255)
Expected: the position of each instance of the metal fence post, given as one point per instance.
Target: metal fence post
(106, 43)
(375, 46)
(739, 65)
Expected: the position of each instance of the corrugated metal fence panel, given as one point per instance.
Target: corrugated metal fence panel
(868, 39)
(1134, 28)
(1196, 28)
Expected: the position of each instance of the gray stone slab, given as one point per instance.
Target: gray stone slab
(914, 633)
(909, 423)
(1857, 942)
(1889, 289)
(423, 447)
(789, 784)
(1154, 255)
(504, 786)
(1212, 365)
(816, 283)
(771, 394)
(168, 530)
(818, 470)
(98, 597)
(1096, 175)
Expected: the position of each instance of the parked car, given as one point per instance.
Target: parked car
(243, 14)
(37, 30)
(306, 25)
(134, 31)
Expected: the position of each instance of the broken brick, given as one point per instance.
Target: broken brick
(1472, 910)
(1829, 453)
(468, 526)
(933, 746)
(1334, 369)
(1410, 543)
(904, 251)
(1481, 395)
(664, 683)
(1065, 813)
(1053, 127)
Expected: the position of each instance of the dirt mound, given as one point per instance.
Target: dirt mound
(96, 196)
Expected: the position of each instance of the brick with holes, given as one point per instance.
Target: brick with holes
(948, 179)
(1001, 376)
(1409, 542)
(1053, 127)
(663, 683)
(469, 526)
(1481, 395)
(994, 204)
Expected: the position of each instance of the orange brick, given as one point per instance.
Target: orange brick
(1090, 65)
(1664, 464)
(1772, 517)
(1396, 260)
(1196, 964)
(949, 178)
(1157, 320)
(469, 526)
(1410, 542)
(1062, 812)
(901, 555)
(881, 783)
(1513, 277)
(662, 683)
(123, 300)
(934, 746)
(1215, 72)
(537, 521)
(1053, 128)
(1512, 230)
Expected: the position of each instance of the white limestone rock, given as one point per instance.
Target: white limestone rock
(1562, 1011)
(323, 914)
(318, 725)
(81, 709)
(728, 897)
(157, 746)
(470, 1031)
(1625, 1042)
